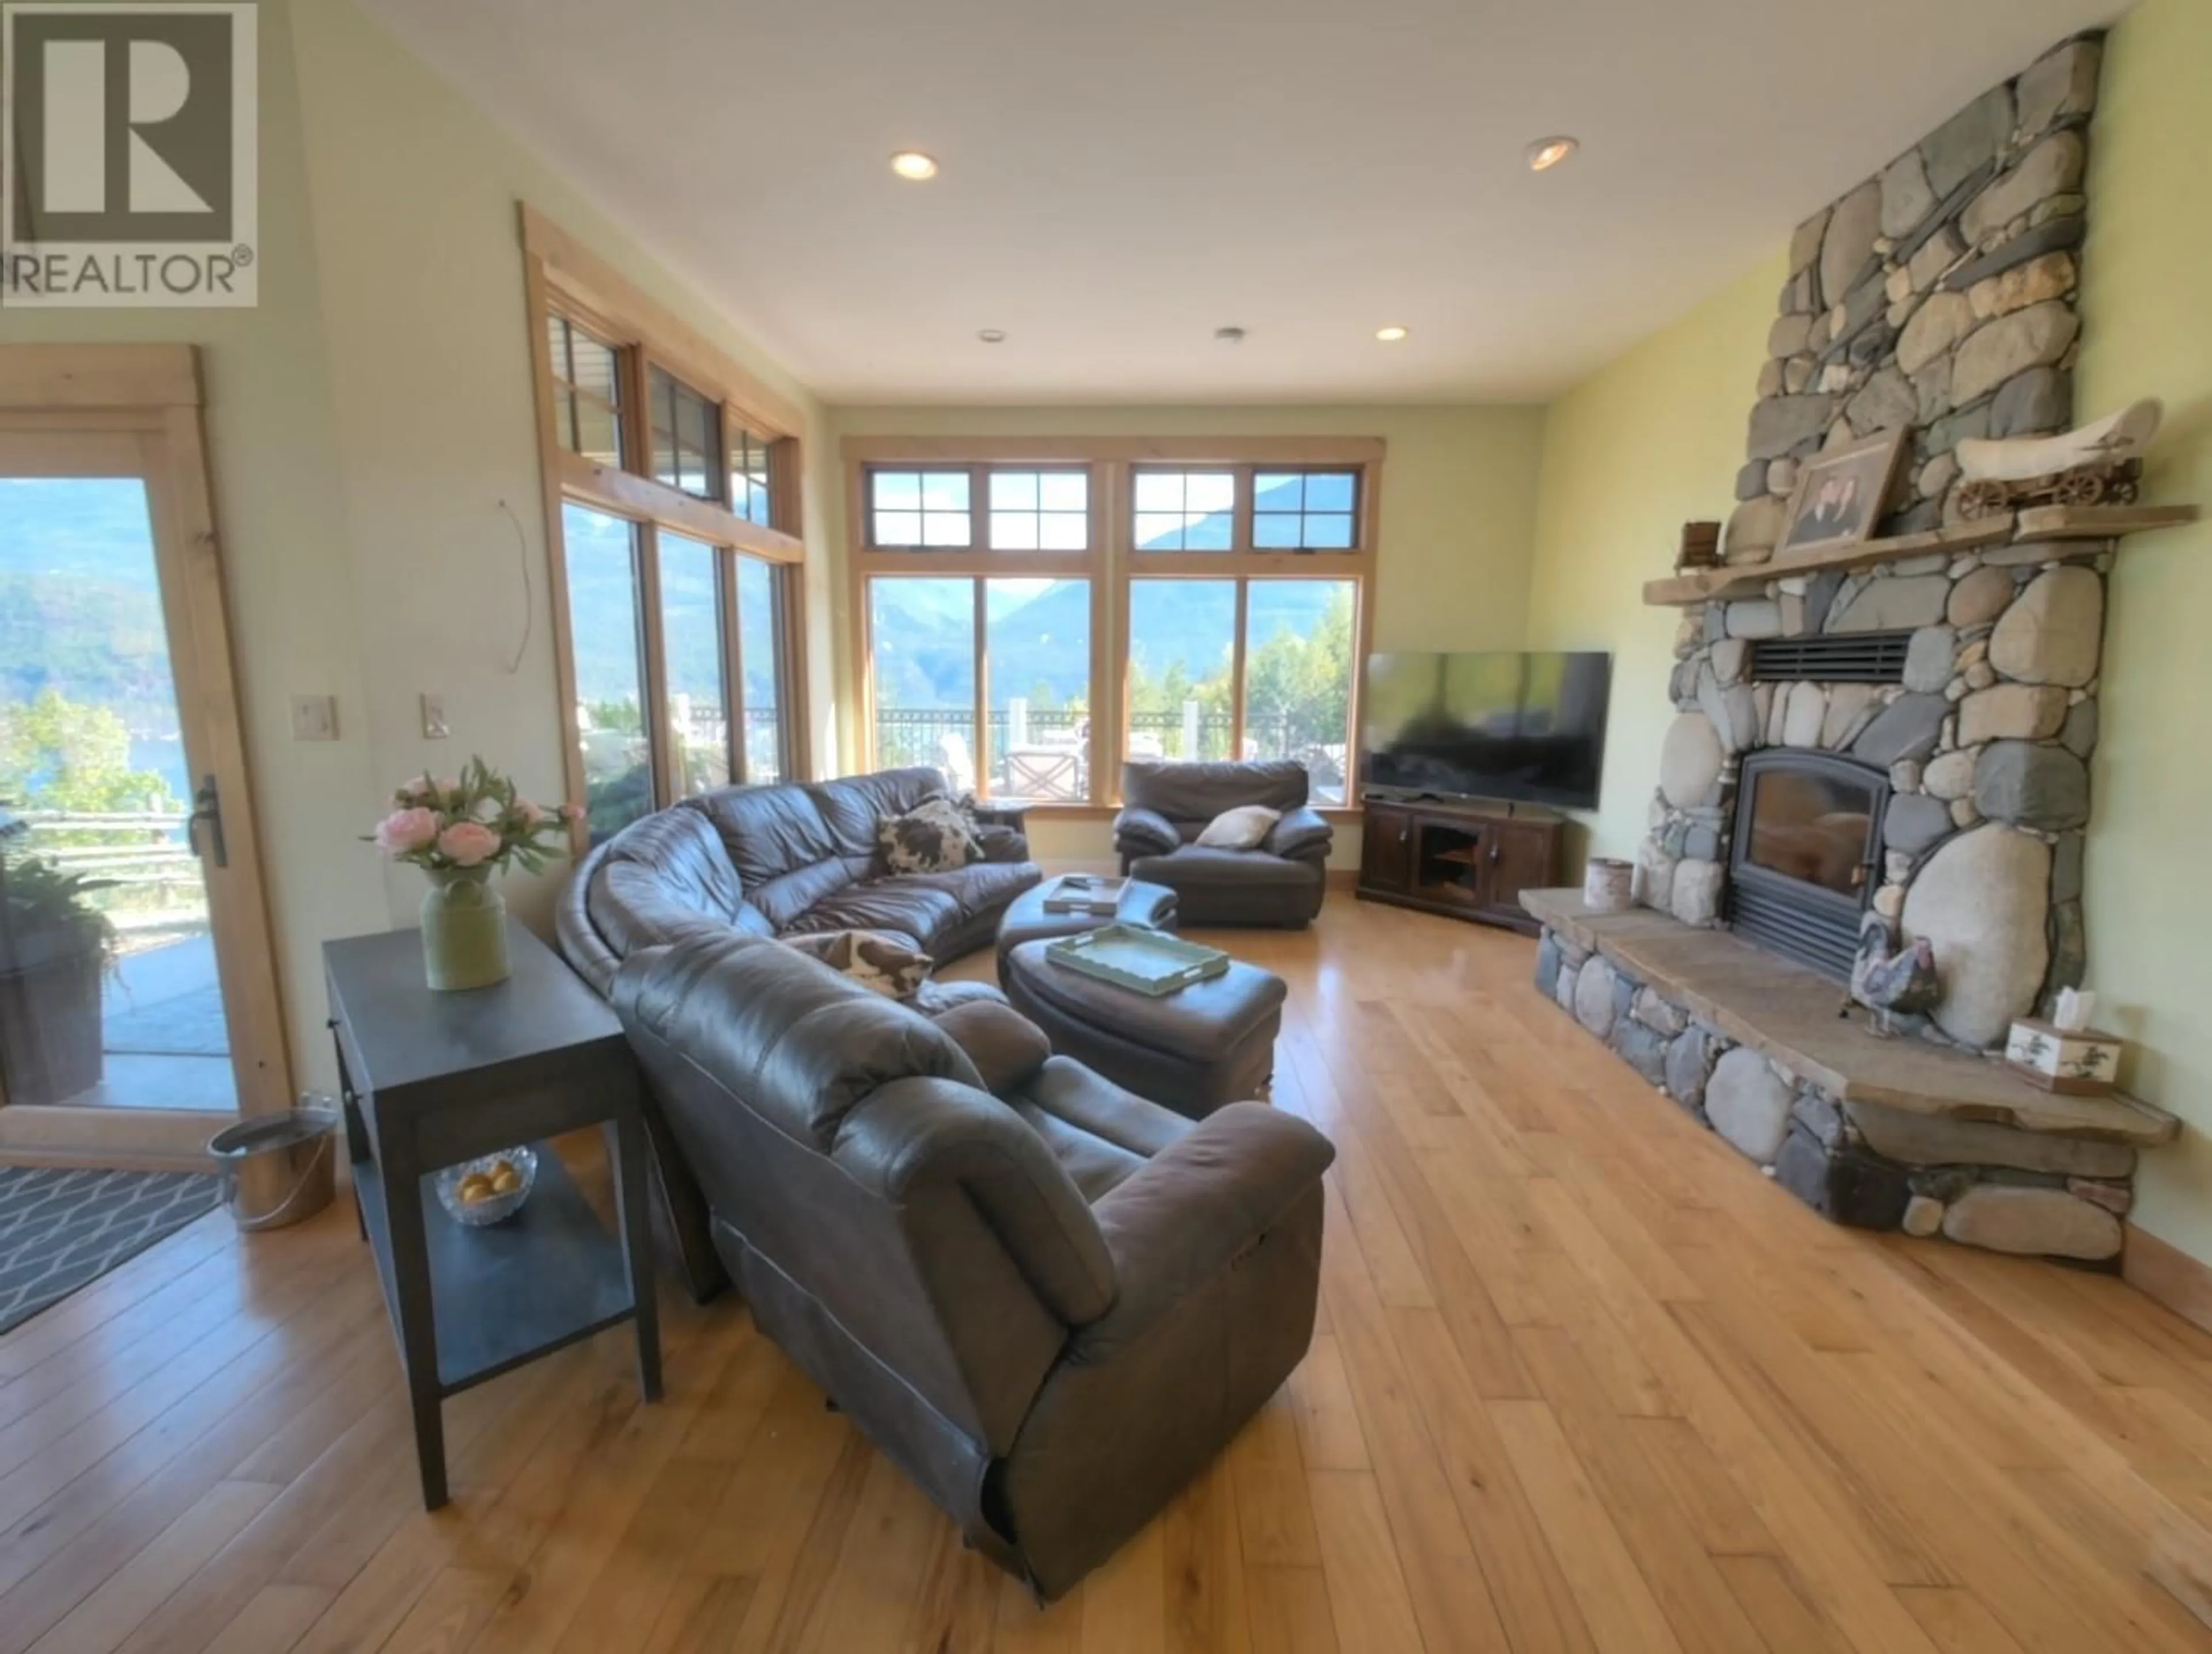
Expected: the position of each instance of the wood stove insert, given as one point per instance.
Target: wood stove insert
(1805, 860)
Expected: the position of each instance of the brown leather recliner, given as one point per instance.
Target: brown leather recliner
(768, 861)
(1051, 1306)
(1168, 804)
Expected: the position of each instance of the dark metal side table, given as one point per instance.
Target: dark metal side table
(431, 1080)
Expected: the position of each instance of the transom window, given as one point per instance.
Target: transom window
(1304, 510)
(751, 477)
(914, 510)
(1184, 511)
(587, 391)
(1040, 510)
(684, 437)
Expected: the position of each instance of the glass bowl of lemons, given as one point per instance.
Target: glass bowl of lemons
(488, 1190)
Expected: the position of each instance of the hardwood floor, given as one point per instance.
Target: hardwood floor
(1583, 1382)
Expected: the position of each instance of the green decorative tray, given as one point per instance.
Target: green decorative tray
(1139, 959)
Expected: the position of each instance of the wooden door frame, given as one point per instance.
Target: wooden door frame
(140, 410)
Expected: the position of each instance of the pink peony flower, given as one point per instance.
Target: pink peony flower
(469, 844)
(404, 831)
(529, 814)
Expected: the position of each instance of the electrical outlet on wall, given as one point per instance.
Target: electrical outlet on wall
(434, 727)
(315, 717)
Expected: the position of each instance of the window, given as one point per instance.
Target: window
(749, 475)
(602, 555)
(1300, 654)
(1039, 511)
(1245, 669)
(1185, 511)
(1304, 510)
(672, 525)
(913, 510)
(1031, 616)
(685, 438)
(587, 393)
(1182, 655)
(691, 637)
(761, 649)
(1036, 666)
(923, 633)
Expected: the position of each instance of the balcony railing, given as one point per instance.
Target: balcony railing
(148, 874)
(1039, 754)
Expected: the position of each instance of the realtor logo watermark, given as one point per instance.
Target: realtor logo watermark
(129, 144)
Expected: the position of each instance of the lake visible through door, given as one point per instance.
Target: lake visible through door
(110, 993)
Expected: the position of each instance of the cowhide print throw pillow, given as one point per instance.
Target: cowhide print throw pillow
(869, 958)
(936, 835)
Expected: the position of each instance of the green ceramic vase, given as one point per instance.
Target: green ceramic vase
(463, 930)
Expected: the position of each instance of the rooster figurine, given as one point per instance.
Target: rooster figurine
(1890, 981)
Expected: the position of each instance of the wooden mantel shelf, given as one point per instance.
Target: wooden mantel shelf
(2036, 523)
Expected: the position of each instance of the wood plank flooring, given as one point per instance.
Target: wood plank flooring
(1583, 1382)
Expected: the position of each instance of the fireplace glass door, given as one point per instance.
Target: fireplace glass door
(1808, 830)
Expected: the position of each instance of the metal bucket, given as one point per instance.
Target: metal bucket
(278, 1168)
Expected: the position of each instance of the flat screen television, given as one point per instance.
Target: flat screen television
(1524, 727)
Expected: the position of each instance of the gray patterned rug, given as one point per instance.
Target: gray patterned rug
(60, 1229)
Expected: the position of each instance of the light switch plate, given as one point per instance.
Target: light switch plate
(434, 727)
(315, 717)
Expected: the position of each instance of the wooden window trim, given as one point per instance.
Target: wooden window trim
(564, 278)
(1111, 563)
(585, 280)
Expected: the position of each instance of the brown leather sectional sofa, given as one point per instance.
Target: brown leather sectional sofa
(783, 861)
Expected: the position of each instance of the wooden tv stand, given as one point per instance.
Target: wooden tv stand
(1463, 860)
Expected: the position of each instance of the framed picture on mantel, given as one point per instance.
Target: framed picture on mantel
(1841, 494)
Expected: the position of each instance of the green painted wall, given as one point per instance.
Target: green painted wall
(2147, 331)
(1652, 441)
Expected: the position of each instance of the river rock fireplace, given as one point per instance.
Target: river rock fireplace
(1903, 727)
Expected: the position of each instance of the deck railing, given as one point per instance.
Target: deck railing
(144, 858)
(1022, 739)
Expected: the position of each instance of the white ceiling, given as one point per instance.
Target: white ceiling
(1119, 181)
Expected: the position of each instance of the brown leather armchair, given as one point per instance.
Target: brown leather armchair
(1050, 1302)
(1168, 804)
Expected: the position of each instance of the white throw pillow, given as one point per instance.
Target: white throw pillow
(1240, 829)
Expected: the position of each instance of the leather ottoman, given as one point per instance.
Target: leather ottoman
(1210, 1044)
(1026, 921)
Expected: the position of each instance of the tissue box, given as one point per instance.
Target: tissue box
(2078, 1061)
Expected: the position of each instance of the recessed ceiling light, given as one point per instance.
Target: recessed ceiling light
(1390, 334)
(992, 335)
(914, 166)
(1230, 334)
(1547, 153)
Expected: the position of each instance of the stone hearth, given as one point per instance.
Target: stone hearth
(1878, 1132)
